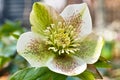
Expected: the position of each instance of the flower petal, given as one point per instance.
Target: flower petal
(67, 65)
(82, 9)
(33, 49)
(42, 16)
(90, 48)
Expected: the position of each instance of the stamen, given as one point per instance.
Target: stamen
(61, 38)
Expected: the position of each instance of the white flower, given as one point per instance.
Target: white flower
(64, 43)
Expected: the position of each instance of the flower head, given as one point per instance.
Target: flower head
(64, 43)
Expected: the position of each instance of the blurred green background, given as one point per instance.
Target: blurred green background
(14, 20)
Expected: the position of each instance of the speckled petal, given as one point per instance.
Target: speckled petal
(33, 49)
(67, 65)
(82, 9)
(90, 48)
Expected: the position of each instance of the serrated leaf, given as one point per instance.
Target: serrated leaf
(42, 73)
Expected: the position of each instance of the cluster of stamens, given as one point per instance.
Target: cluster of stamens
(61, 38)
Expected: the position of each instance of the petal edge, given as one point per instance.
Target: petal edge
(33, 49)
(67, 65)
(90, 48)
(82, 9)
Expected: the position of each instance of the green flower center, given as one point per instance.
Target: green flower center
(62, 38)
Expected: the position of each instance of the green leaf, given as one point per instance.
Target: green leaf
(42, 73)
(94, 70)
(7, 47)
(9, 32)
(107, 49)
(15, 36)
(87, 75)
(10, 27)
(102, 63)
(3, 61)
(73, 78)
(42, 16)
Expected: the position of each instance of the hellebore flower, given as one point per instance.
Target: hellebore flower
(64, 43)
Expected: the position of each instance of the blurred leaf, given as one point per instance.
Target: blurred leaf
(3, 61)
(20, 62)
(95, 72)
(87, 75)
(73, 78)
(42, 73)
(7, 48)
(17, 63)
(9, 33)
(107, 49)
(102, 63)
(15, 36)
(10, 27)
